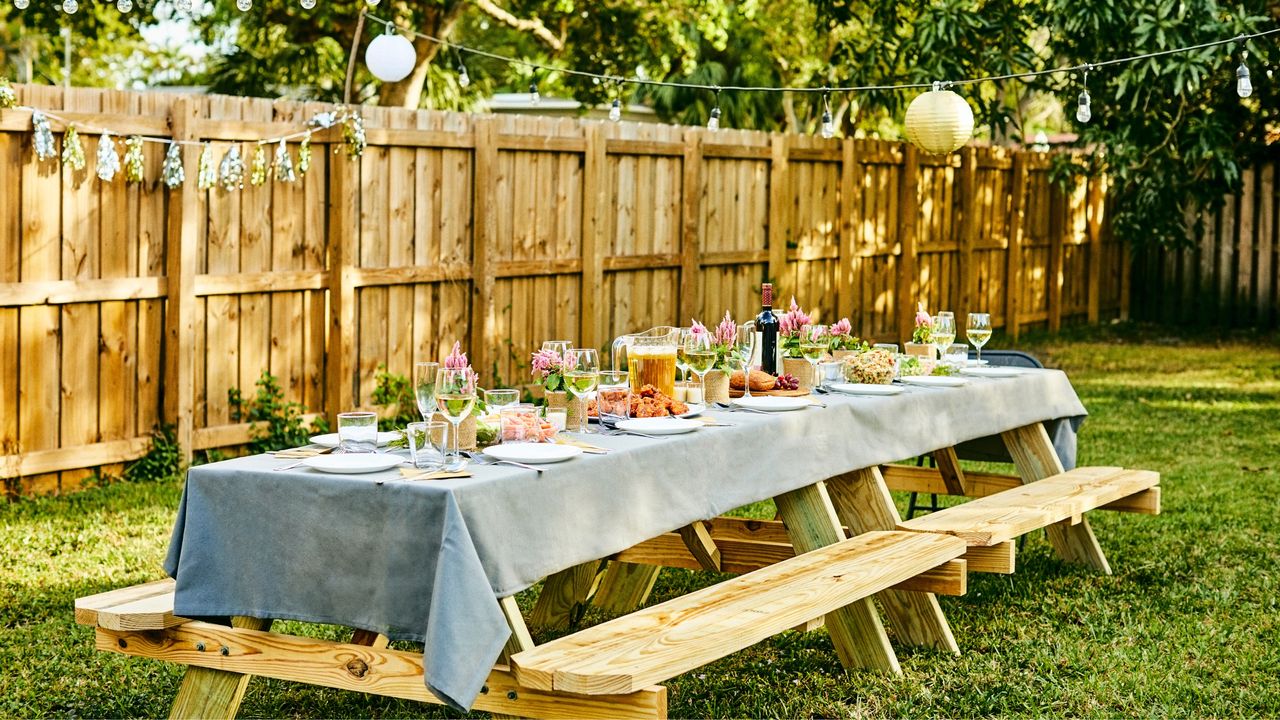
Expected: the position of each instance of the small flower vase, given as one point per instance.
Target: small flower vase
(717, 385)
(575, 412)
(801, 370)
(557, 408)
(921, 350)
(466, 432)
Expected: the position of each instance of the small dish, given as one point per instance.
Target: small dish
(353, 463)
(331, 440)
(660, 426)
(934, 380)
(533, 453)
(772, 403)
(864, 389)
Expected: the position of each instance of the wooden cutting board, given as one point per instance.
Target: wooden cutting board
(774, 393)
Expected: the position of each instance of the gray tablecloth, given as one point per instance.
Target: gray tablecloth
(425, 560)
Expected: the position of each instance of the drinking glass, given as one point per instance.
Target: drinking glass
(956, 355)
(613, 397)
(358, 432)
(891, 347)
(744, 348)
(701, 356)
(520, 423)
(978, 331)
(455, 396)
(681, 364)
(582, 374)
(944, 331)
(427, 444)
(424, 387)
(813, 346)
(560, 347)
(497, 399)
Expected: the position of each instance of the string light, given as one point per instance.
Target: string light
(70, 7)
(463, 78)
(183, 5)
(535, 98)
(21, 4)
(714, 122)
(308, 4)
(1244, 86)
(1083, 111)
(124, 6)
(244, 5)
(615, 108)
(828, 126)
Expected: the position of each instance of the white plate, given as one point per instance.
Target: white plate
(660, 426)
(534, 453)
(864, 389)
(935, 380)
(331, 440)
(353, 463)
(991, 372)
(695, 409)
(976, 363)
(773, 403)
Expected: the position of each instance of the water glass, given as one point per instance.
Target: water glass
(559, 347)
(956, 355)
(495, 400)
(891, 347)
(424, 387)
(358, 432)
(427, 444)
(613, 396)
(520, 423)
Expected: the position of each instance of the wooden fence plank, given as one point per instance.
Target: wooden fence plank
(908, 285)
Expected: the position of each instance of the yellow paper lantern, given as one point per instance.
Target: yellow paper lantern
(939, 121)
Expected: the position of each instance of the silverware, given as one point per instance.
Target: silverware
(481, 459)
(738, 408)
(633, 432)
(303, 461)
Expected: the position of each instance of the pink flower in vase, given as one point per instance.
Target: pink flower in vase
(922, 316)
(457, 360)
(841, 328)
(546, 362)
(792, 320)
(697, 329)
(727, 331)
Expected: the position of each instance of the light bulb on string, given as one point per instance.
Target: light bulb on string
(373, 3)
(463, 78)
(390, 57)
(1244, 86)
(184, 5)
(124, 6)
(828, 126)
(1083, 111)
(615, 110)
(714, 122)
(244, 5)
(308, 4)
(535, 98)
(70, 7)
(21, 4)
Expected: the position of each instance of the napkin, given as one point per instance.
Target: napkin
(416, 474)
(301, 452)
(586, 448)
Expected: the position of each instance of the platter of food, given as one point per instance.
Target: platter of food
(650, 403)
(766, 385)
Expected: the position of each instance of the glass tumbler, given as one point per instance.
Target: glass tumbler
(519, 424)
(358, 432)
(427, 444)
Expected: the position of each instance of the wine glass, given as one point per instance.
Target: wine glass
(943, 332)
(559, 347)
(813, 346)
(424, 388)
(581, 375)
(681, 365)
(744, 347)
(700, 355)
(978, 331)
(455, 396)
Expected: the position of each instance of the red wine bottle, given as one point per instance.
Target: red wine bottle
(767, 324)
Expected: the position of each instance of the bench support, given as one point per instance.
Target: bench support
(862, 502)
(207, 692)
(625, 587)
(565, 594)
(1036, 459)
(856, 630)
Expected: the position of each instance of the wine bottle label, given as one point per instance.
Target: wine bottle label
(766, 295)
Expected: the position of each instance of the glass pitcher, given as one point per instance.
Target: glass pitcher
(649, 358)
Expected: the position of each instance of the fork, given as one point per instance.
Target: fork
(303, 461)
(616, 431)
(738, 408)
(479, 459)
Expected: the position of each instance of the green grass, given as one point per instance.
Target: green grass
(1189, 624)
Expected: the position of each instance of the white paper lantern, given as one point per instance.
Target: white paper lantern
(939, 121)
(390, 57)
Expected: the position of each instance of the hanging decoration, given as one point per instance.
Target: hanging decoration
(304, 155)
(43, 139)
(133, 159)
(231, 170)
(324, 120)
(108, 158)
(8, 98)
(206, 177)
(353, 134)
(72, 150)
(284, 164)
(259, 174)
(390, 56)
(939, 121)
(172, 172)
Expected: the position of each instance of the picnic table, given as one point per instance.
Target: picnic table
(439, 562)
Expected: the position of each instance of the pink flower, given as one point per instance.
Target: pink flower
(697, 328)
(546, 362)
(922, 317)
(792, 320)
(457, 359)
(726, 331)
(842, 328)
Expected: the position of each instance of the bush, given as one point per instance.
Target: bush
(162, 462)
(282, 418)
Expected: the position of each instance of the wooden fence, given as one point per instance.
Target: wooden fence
(125, 305)
(1230, 273)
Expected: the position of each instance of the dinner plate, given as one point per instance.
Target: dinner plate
(864, 389)
(660, 426)
(773, 403)
(353, 463)
(533, 453)
(695, 409)
(934, 380)
(976, 363)
(992, 372)
(331, 440)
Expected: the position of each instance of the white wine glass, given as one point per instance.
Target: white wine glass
(745, 348)
(813, 345)
(978, 331)
(559, 347)
(582, 375)
(943, 332)
(700, 354)
(455, 396)
(424, 388)
(681, 365)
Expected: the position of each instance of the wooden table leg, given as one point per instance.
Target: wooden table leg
(855, 629)
(564, 593)
(863, 503)
(369, 638)
(1036, 459)
(209, 693)
(625, 587)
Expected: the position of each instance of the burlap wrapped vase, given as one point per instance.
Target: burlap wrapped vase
(801, 370)
(717, 385)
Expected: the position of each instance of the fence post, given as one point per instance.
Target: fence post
(1058, 200)
(690, 237)
(595, 184)
(482, 243)
(778, 225)
(1093, 283)
(344, 228)
(968, 228)
(180, 270)
(908, 288)
(1013, 257)
(847, 253)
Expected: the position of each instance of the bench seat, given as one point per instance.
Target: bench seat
(682, 634)
(1008, 514)
(139, 607)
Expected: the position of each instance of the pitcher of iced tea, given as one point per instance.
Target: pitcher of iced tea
(649, 358)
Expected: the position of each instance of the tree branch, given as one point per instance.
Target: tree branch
(534, 26)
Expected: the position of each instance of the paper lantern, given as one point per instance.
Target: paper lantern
(390, 57)
(939, 121)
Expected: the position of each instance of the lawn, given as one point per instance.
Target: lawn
(1189, 624)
